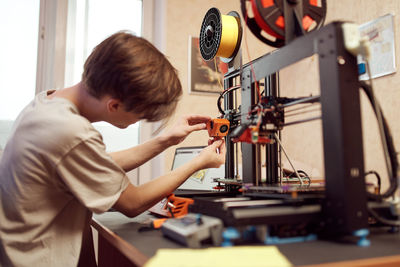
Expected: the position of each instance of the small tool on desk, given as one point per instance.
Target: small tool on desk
(192, 229)
(153, 225)
(172, 206)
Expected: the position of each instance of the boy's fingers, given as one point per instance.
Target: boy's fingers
(222, 148)
(217, 143)
(197, 127)
(195, 119)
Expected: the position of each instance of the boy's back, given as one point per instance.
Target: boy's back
(44, 190)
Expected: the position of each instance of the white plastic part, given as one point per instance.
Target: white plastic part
(351, 36)
(365, 48)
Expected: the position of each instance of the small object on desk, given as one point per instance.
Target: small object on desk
(230, 234)
(172, 206)
(192, 229)
(153, 225)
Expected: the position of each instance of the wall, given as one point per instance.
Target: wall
(303, 142)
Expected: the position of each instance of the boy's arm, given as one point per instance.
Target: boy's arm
(132, 158)
(134, 200)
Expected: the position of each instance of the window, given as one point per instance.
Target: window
(18, 54)
(90, 22)
(45, 44)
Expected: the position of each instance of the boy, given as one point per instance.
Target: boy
(55, 172)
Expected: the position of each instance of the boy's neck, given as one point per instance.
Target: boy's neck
(88, 106)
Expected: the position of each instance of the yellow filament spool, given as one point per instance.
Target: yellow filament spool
(229, 36)
(220, 35)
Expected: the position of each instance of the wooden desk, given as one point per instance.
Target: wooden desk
(115, 251)
(121, 233)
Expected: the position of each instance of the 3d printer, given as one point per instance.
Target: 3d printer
(295, 27)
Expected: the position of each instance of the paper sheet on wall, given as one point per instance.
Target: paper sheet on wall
(381, 36)
(249, 256)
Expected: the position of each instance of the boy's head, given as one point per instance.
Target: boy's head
(132, 70)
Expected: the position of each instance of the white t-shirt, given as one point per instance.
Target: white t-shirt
(54, 172)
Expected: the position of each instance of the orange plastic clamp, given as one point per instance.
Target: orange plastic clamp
(180, 205)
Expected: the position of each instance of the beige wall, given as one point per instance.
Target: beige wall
(303, 142)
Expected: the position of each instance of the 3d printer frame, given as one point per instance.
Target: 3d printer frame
(341, 120)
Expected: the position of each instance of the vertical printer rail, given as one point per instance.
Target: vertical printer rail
(343, 213)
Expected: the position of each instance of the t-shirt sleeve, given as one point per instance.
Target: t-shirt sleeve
(92, 176)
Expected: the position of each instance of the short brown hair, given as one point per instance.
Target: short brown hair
(132, 70)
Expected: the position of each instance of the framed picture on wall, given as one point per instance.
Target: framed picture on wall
(204, 76)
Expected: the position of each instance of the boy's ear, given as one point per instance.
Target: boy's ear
(113, 104)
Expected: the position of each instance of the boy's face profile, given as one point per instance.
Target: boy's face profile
(118, 116)
(124, 119)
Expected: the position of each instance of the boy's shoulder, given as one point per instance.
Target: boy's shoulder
(53, 124)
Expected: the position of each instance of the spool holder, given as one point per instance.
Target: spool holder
(283, 20)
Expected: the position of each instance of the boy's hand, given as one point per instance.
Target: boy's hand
(184, 126)
(213, 156)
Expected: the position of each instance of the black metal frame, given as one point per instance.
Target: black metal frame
(344, 207)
